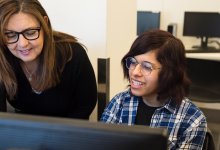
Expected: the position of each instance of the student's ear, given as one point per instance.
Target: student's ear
(46, 19)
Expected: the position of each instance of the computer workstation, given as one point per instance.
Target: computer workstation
(204, 72)
(203, 66)
(203, 60)
(203, 25)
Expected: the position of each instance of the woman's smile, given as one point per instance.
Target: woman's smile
(25, 52)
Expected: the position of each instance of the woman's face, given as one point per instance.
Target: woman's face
(143, 84)
(24, 49)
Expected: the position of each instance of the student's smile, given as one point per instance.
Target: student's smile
(136, 84)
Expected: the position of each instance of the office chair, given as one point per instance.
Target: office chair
(209, 141)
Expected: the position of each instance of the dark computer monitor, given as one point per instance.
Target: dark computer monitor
(205, 79)
(26, 132)
(147, 20)
(203, 25)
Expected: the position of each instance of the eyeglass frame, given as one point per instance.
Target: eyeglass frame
(152, 66)
(23, 34)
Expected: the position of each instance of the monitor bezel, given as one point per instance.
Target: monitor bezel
(40, 132)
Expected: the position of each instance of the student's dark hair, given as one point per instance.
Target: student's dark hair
(170, 52)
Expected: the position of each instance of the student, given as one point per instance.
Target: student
(155, 66)
(43, 72)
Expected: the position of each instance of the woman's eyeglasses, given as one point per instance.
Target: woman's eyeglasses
(29, 34)
(146, 67)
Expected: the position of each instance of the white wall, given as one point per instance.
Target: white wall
(172, 11)
(121, 32)
(85, 19)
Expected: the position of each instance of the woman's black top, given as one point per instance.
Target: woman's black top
(74, 97)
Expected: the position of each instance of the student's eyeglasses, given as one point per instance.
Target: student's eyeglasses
(29, 34)
(146, 67)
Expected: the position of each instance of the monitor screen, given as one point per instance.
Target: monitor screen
(205, 80)
(202, 24)
(28, 132)
(147, 20)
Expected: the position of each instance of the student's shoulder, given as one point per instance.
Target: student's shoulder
(122, 96)
(192, 109)
(191, 105)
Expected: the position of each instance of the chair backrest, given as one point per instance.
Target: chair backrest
(209, 141)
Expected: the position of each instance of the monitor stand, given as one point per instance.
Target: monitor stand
(203, 48)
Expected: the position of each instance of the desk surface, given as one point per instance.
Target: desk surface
(207, 56)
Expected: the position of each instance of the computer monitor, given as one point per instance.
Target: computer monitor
(26, 132)
(203, 25)
(205, 79)
(147, 20)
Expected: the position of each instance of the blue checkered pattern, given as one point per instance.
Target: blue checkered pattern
(186, 124)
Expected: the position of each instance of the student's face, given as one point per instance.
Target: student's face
(142, 84)
(24, 49)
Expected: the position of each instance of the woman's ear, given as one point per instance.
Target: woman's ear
(46, 19)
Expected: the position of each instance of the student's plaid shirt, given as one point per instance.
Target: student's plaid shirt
(186, 124)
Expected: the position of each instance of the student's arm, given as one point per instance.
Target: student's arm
(194, 136)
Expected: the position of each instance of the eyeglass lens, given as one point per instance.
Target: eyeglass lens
(29, 34)
(146, 67)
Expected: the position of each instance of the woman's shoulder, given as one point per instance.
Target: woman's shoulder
(70, 50)
(78, 48)
(66, 41)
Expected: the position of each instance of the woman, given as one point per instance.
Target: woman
(155, 66)
(43, 72)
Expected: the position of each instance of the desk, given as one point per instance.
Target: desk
(205, 56)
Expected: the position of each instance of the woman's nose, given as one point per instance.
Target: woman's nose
(22, 41)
